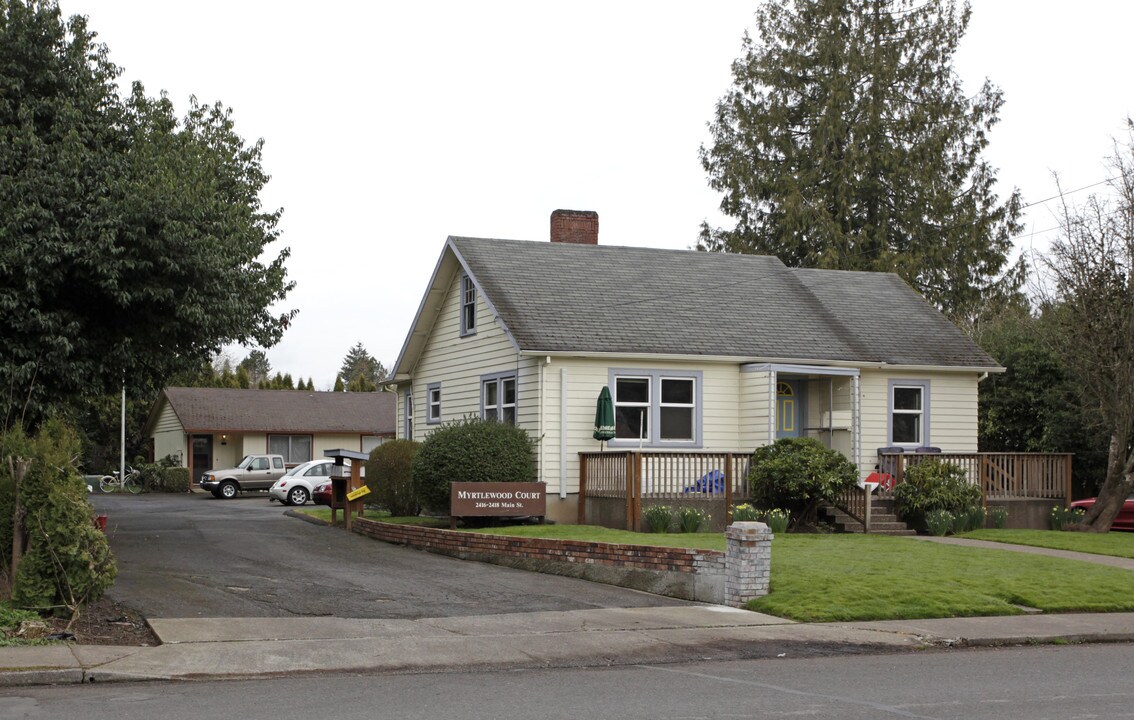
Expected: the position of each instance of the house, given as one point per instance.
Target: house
(702, 352)
(206, 428)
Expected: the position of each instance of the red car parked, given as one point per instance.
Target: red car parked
(322, 494)
(1125, 518)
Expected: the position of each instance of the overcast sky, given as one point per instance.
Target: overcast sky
(389, 126)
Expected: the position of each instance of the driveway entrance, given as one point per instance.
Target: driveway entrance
(196, 556)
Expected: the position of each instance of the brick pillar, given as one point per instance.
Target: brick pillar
(748, 562)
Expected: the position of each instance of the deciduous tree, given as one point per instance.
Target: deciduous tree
(133, 243)
(848, 142)
(1090, 274)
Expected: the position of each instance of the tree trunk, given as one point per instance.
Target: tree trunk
(1118, 485)
(18, 468)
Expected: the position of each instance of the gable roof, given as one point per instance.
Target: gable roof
(559, 297)
(291, 411)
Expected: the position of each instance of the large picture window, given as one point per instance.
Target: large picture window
(909, 413)
(468, 306)
(294, 448)
(498, 398)
(657, 408)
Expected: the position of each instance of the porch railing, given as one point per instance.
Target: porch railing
(1000, 475)
(674, 476)
(720, 479)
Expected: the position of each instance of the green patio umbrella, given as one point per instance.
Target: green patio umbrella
(604, 416)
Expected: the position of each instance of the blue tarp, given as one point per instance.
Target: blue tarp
(711, 482)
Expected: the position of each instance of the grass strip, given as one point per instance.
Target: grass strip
(1115, 544)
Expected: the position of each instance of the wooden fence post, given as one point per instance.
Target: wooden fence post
(629, 491)
(637, 492)
(728, 489)
(582, 510)
(1067, 482)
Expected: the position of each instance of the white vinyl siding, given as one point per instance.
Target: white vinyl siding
(755, 428)
(169, 436)
(952, 410)
(457, 364)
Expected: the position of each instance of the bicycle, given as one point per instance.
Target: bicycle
(131, 483)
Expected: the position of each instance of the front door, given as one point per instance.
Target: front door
(202, 456)
(789, 409)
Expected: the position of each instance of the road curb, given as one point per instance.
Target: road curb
(24, 678)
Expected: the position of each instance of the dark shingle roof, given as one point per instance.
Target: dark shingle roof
(559, 297)
(298, 411)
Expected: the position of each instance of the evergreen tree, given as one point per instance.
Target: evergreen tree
(257, 365)
(339, 387)
(848, 142)
(357, 364)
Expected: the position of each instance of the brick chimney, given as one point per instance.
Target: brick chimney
(574, 226)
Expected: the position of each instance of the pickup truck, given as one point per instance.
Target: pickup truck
(254, 472)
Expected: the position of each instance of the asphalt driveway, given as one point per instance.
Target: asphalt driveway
(196, 556)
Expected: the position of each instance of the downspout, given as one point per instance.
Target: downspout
(563, 433)
(539, 425)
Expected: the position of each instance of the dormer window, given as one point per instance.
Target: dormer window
(468, 306)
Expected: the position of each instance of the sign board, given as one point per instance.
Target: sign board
(357, 493)
(497, 499)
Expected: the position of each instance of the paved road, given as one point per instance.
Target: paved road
(196, 556)
(1027, 683)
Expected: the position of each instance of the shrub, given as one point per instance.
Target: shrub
(745, 513)
(67, 562)
(389, 475)
(798, 474)
(939, 522)
(777, 520)
(658, 518)
(160, 477)
(999, 517)
(1061, 516)
(690, 519)
(173, 480)
(470, 450)
(934, 485)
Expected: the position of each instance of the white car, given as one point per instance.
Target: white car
(295, 487)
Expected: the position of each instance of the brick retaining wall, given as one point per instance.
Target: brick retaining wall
(675, 572)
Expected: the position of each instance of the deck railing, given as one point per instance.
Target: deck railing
(719, 479)
(1000, 475)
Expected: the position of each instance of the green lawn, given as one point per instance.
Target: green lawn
(825, 578)
(1118, 544)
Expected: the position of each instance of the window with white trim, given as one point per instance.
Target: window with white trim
(468, 306)
(407, 417)
(656, 408)
(909, 416)
(498, 398)
(433, 398)
(294, 448)
(632, 408)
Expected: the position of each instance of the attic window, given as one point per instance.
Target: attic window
(468, 306)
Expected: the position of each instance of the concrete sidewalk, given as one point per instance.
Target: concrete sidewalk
(231, 648)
